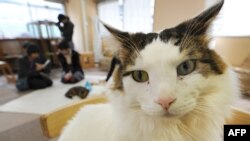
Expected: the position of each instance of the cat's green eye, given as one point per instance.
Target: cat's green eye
(140, 76)
(186, 67)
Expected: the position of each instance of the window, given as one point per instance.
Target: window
(233, 19)
(16, 14)
(110, 13)
(138, 15)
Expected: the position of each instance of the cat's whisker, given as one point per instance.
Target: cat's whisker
(196, 23)
(186, 39)
(151, 110)
(186, 34)
(201, 108)
(203, 19)
(134, 105)
(190, 29)
(198, 111)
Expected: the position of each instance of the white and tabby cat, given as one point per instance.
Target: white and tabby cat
(169, 87)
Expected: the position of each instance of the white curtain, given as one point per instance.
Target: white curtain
(138, 15)
(97, 40)
(109, 12)
(128, 15)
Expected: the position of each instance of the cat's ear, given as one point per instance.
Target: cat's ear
(125, 43)
(120, 36)
(124, 53)
(201, 23)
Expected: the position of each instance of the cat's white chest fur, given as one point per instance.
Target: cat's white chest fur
(101, 123)
(92, 123)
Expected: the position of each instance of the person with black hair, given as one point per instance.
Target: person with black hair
(70, 61)
(67, 28)
(40, 60)
(30, 74)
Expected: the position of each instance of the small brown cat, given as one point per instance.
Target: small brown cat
(80, 91)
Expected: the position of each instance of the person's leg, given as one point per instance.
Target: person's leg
(39, 82)
(76, 77)
(48, 81)
(112, 67)
(22, 84)
(63, 80)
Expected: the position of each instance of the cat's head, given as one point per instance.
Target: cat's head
(168, 73)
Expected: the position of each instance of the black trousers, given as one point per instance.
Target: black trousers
(39, 82)
(76, 77)
(114, 62)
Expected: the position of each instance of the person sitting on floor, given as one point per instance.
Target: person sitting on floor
(70, 61)
(30, 74)
(41, 59)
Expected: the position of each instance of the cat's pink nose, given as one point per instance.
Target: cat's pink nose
(165, 102)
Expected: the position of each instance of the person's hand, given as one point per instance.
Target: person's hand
(58, 52)
(68, 76)
(39, 67)
(57, 24)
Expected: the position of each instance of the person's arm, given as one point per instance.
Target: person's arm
(59, 26)
(68, 30)
(26, 68)
(23, 69)
(41, 60)
(34, 68)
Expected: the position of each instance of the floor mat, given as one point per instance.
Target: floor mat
(49, 99)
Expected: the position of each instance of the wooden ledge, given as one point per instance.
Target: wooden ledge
(52, 123)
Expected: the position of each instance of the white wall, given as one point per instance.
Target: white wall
(169, 13)
(82, 13)
(74, 11)
(209, 3)
(234, 50)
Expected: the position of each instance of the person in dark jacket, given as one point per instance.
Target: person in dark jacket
(30, 74)
(40, 60)
(70, 61)
(67, 28)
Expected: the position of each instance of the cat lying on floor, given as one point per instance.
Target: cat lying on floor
(80, 91)
(169, 87)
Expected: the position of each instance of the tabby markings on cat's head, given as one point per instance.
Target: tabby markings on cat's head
(170, 68)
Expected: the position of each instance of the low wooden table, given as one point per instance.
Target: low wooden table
(87, 60)
(7, 72)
